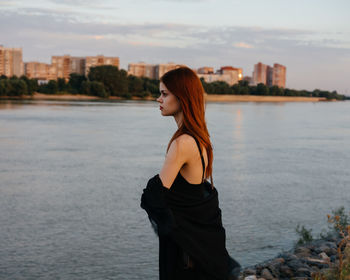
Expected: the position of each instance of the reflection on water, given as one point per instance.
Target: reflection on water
(72, 174)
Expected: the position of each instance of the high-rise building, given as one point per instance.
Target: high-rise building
(11, 63)
(142, 69)
(61, 66)
(270, 76)
(77, 65)
(279, 75)
(260, 74)
(161, 69)
(40, 71)
(99, 60)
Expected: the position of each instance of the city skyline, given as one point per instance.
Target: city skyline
(311, 39)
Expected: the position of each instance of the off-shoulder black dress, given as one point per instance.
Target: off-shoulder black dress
(187, 220)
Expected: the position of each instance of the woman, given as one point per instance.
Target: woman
(182, 206)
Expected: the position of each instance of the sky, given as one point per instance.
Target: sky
(310, 37)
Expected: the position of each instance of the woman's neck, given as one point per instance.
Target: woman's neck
(179, 118)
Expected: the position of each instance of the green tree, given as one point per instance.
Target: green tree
(5, 87)
(135, 84)
(94, 88)
(75, 82)
(52, 87)
(32, 84)
(18, 87)
(61, 84)
(262, 89)
(98, 89)
(114, 80)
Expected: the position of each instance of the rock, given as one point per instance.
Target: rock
(249, 271)
(287, 256)
(295, 264)
(303, 272)
(331, 251)
(261, 279)
(317, 262)
(266, 274)
(321, 249)
(274, 269)
(286, 271)
(302, 252)
(324, 256)
(332, 245)
(251, 277)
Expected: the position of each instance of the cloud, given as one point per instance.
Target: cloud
(46, 32)
(243, 45)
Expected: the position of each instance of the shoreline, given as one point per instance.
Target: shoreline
(208, 98)
(301, 262)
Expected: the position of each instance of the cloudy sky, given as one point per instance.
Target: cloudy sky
(310, 37)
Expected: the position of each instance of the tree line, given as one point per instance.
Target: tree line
(243, 88)
(107, 80)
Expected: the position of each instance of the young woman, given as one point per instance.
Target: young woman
(182, 205)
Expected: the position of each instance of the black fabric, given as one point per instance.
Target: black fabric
(202, 159)
(186, 221)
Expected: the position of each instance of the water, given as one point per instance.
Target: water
(72, 173)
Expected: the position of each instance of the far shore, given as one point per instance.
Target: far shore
(208, 98)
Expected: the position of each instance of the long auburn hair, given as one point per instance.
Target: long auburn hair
(184, 83)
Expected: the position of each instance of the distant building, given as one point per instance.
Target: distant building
(279, 75)
(152, 71)
(11, 63)
(236, 74)
(228, 74)
(259, 74)
(268, 75)
(205, 70)
(61, 66)
(161, 69)
(142, 69)
(77, 65)
(40, 71)
(99, 60)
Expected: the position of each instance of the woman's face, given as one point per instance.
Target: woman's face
(168, 102)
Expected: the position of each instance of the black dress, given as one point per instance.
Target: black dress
(187, 220)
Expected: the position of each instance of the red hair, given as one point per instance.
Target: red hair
(187, 87)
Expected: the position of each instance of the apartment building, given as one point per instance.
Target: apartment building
(11, 62)
(99, 60)
(268, 75)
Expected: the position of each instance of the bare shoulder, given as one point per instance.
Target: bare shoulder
(185, 143)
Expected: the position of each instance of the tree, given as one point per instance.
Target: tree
(61, 84)
(18, 87)
(75, 82)
(135, 84)
(262, 89)
(94, 88)
(32, 84)
(114, 80)
(52, 87)
(4, 87)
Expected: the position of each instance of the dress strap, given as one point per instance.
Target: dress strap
(200, 151)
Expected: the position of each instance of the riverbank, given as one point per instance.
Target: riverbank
(208, 98)
(302, 262)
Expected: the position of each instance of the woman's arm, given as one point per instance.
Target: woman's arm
(177, 156)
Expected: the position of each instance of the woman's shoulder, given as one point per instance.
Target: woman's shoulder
(186, 141)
